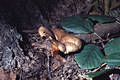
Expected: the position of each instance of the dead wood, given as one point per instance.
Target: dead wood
(102, 30)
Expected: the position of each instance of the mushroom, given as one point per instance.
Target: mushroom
(66, 42)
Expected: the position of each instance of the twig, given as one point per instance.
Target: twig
(98, 36)
(104, 64)
(48, 64)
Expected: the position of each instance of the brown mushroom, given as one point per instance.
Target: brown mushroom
(66, 42)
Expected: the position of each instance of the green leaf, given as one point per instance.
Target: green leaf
(112, 50)
(98, 73)
(112, 47)
(102, 18)
(113, 59)
(90, 57)
(77, 24)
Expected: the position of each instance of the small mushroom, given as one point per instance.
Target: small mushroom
(71, 42)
